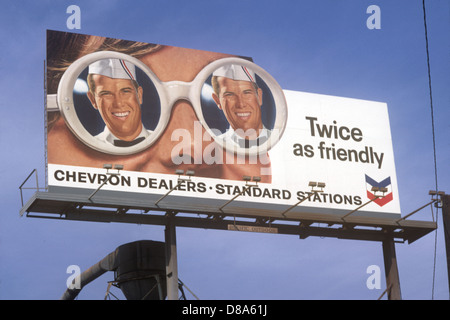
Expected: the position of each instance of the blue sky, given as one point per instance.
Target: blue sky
(319, 46)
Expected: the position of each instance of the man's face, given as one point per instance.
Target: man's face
(241, 103)
(118, 102)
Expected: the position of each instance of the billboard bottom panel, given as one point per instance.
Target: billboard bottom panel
(76, 206)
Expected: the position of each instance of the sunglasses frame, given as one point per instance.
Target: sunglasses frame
(169, 93)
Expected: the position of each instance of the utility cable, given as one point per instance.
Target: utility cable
(434, 140)
(431, 95)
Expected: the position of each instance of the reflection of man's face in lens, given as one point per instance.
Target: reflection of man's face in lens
(241, 103)
(118, 101)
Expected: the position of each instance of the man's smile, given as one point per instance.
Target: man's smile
(121, 115)
(243, 115)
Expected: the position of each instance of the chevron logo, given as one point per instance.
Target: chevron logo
(386, 183)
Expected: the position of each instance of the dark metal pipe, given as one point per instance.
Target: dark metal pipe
(106, 264)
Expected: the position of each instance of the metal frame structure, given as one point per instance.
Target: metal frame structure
(79, 207)
(85, 207)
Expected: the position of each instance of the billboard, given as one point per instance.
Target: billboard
(163, 111)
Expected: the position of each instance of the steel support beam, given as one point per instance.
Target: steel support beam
(446, 219)
(391, 270)
(171, 259)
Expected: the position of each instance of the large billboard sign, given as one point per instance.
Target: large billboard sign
(160, 110)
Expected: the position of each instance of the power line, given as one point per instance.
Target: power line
(434, 141)
(431, 95)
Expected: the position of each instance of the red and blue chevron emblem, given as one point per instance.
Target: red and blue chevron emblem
(386, 183)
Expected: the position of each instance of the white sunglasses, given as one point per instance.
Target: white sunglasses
(163, 98)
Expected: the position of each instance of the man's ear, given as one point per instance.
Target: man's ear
(260, 96)
(140, 93)
(216, 100)
(91, 97)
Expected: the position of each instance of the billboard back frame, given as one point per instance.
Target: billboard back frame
(61, 206)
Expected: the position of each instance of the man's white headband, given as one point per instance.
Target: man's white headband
(113, 68)
(235, 72)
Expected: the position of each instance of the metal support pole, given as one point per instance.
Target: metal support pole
(446, 219)
(171, 260)
(391, 270)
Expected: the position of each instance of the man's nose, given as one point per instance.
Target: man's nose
(117, 101)
(188, 137)
(240, 100)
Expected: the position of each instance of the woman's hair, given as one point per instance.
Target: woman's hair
(63, 48)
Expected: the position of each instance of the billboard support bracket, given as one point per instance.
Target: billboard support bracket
(293, 206)
(363, 205)
(189, 174)
(118, 167)
(410, 214)
(319, 188)
(246, 187)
